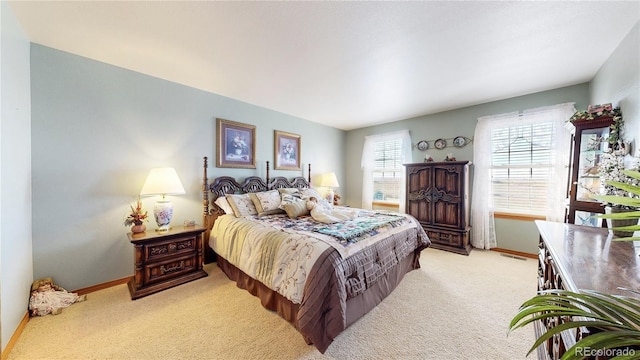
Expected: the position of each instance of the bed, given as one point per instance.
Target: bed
(319, 277)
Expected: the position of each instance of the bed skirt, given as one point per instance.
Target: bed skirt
(321, 331)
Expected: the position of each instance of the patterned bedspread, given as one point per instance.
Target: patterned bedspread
(280, 260)
(295, 260)
(367, 224)
(280, 252)
(348, 237)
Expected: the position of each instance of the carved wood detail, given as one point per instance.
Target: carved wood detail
(224, 185)
(437, 196)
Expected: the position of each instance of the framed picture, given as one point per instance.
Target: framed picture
(236, 144)
(286, 151)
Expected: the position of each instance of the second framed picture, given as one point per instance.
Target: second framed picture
(286, 151)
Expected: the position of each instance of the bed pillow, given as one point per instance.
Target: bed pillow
(224, 205)
(288, 199)
(308, 193)
(241, 204)
(296, 208)
(267, 202)
(291, 191)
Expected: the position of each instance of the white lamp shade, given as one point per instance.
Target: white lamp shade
(329, 180)
(162, 181)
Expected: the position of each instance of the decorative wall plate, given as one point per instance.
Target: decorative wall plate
(459, 141)
(440, 144)
(422, 145)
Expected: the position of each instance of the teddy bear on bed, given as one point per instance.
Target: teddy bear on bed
(325, 213)
(49, 298)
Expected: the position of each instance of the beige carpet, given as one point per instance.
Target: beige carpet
(454, 307)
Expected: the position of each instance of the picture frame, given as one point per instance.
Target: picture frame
(286, 151)
(236, 144)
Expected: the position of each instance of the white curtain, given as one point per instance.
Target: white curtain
(368, 161)
(482, 213)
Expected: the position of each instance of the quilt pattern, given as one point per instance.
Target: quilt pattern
(367, 224)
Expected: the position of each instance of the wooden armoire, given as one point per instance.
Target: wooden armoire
(438, 197)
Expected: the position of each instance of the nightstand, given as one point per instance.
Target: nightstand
(166, 259)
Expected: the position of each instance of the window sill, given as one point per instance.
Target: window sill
(388, 204)
(512, 216)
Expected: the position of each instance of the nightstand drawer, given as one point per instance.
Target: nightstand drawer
(170, 248)
(165, 259)
(170, 268)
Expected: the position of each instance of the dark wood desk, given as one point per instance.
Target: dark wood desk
(574, 257)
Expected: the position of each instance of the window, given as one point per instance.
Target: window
(388, 171)
(382, 171)
(522, 163)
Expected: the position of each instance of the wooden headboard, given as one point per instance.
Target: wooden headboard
(224, 185)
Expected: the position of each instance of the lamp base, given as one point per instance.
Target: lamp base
(163, 212)
(329, 196)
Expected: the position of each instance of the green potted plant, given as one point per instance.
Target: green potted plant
(629, 197)
(614, 322)
(612, 173)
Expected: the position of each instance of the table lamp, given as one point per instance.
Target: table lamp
(162, 181)
(331, 181)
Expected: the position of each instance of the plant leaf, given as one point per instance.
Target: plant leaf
(617, 318)
(620, 200)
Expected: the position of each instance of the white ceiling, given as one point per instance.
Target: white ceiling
(343, 64)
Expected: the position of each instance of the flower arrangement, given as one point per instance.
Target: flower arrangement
(137, 214)
(239, 144)
(288, 151)
(610, 169)
(596, 111)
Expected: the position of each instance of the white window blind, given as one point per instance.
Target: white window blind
(387, 170)
(517, 156)
(522, 160)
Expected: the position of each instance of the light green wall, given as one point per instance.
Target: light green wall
(517, 235)
(461, 122)
(15, 175)
(98, 129)
(618, 82)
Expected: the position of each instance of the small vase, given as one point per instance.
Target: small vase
(136, 229)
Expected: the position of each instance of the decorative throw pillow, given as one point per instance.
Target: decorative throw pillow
(224, 205)
(241, 205)
(288, 199)
(266, 202)
(296, 208)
